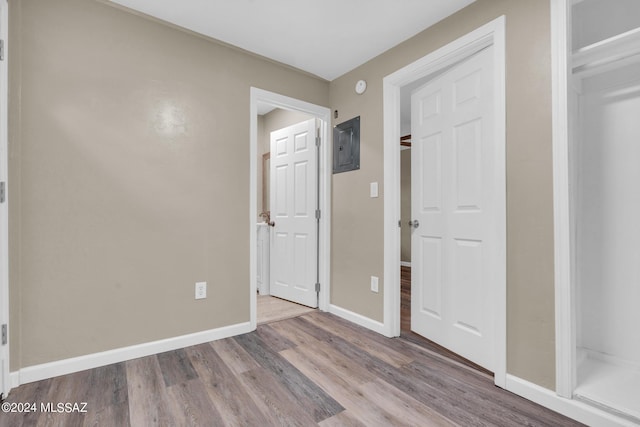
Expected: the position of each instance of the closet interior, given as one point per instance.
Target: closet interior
(604, 152)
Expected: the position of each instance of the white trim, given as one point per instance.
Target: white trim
(576, 410)
(391, 177)
(500, 126)
(606, 54)
(358, 319)
(323, 113)
(325, 173)
(564, 311)
(492, 33)
(405, 264)
(5, 384)
(14, 379)
(95, 360)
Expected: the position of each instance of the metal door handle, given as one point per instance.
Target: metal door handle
(272, 223)
(415, 223)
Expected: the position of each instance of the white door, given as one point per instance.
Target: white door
(293, 202)
(455, 247)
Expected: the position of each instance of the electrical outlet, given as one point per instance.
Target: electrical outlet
(374, 284)
(201, 290)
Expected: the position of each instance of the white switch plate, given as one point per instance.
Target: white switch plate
(201, 290)
(374, 284)
(373, 189)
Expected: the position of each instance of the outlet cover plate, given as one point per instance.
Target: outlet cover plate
(201, 290)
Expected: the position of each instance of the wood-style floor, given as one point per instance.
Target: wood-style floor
(405, 298)
(316, 369)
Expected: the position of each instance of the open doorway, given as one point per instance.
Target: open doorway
(290, 108)
(286, 142)
(405, 230)
(405, 145)
(431, 67)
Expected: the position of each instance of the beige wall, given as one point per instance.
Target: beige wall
(129, 172)
(405, 205)
(358, 220)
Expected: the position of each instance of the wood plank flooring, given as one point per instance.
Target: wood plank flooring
(316, 369)
(405, 298)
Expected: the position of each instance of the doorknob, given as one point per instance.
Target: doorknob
(415, 223)
(272, 223)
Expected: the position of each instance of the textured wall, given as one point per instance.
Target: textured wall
(130, 178)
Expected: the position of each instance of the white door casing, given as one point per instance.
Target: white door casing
(455, 251)
(293, 204)
(260, 97)
(5, 385)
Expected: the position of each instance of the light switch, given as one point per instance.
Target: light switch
(373, 189)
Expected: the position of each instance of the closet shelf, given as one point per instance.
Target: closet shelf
(607, 53)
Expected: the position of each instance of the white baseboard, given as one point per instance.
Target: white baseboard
(95, 360)
(358, 319)
(577, 410)
(14, 380)
(405, 264)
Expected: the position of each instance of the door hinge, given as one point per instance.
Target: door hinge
(400, 223)
(4, 334)
(317, 141)
(2, 192)
(1, 50)
(318, 214)
(317, 287)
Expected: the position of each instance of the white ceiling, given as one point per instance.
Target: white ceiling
(323, 37)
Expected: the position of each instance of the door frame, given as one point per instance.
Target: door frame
(492, 33)
(564, 286)
(261, 96)
(5, 384)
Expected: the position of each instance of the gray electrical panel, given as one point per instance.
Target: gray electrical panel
(346, 146)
